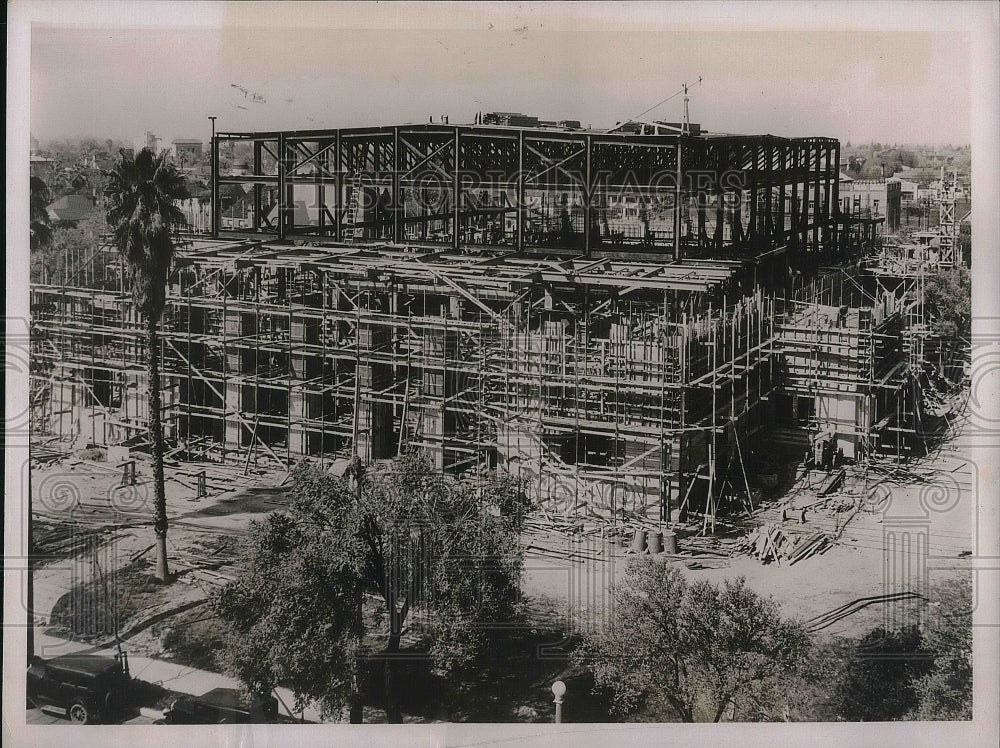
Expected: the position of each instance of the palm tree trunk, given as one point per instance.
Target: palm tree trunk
(393, 714)
(156, 445)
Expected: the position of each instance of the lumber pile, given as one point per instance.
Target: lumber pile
(43, 456)
(771, 542)
(832, 482)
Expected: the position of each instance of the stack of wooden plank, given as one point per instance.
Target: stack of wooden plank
(832, 482)
(771, 543)
(44, 455)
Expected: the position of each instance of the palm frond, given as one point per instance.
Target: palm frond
(140, 193)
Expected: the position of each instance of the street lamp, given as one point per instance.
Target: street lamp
(558, 690)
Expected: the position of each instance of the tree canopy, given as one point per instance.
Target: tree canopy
(410, 538)
(948, 301)
(877, 682)
(69, 250)
(41, 231)
(694, 650)
(140, 194)
(945, 693)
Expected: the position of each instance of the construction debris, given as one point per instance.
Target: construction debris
(772, 542)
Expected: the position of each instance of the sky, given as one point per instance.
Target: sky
(888, 72)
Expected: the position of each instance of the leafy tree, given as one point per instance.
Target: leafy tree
(877, 684)
(68, 257)
(404, 534)
(41, 231)
(948, 307)
(948, 301)
(144, 222)
(695, 650)
(945, 693)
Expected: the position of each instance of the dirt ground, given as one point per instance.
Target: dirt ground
(918, 537)
(88, 525)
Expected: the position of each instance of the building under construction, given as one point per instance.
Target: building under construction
(622, 317)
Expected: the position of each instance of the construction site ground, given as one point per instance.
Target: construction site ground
(79, 505)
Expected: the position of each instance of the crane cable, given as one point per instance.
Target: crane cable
(683, 89)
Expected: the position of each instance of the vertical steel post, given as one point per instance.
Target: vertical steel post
(338, 179)
(588, 198)
(282, 188)
(677, 204)
(754, 196)
(836, 192)
(795, 194)
(520, 191)
(817, 195)
(318, 170)
(456, 186)
(257, 166)
(769, 172)
(783, 176)
(397, 198)
(215, 182)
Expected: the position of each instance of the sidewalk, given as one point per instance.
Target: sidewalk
(164, 673)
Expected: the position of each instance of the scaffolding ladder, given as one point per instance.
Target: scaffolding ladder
(351, 229)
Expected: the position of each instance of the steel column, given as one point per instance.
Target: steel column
(338, 178)
(588, 197)
(456, 185)
(216, 223)
(257, 166)
(397, 198)
(677, 205)
(520, 191)
(283, 187)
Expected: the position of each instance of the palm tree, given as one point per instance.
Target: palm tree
(140, 194)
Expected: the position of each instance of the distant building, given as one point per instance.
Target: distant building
(70, 209)
(872, 198)
(510, 119)
(40, 166)
(187, 151)
(907, 189)
(148, 140)
(516, 119)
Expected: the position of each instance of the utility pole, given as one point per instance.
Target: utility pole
(686, 126)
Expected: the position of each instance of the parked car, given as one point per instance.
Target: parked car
(221, 706)
(88, 688)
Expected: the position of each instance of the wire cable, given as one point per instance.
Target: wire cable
(683, 89)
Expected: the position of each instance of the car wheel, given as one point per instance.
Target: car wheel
(78, 713)
(114, 701)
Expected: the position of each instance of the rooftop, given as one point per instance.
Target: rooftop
(71, 208)
(501, 273)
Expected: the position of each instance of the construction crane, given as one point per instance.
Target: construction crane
(659, 128)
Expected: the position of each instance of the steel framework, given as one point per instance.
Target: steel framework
(470, 187)
(599, 313)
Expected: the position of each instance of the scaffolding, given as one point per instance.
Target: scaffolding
(845, 364)
(626, 375)
(613, 386)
